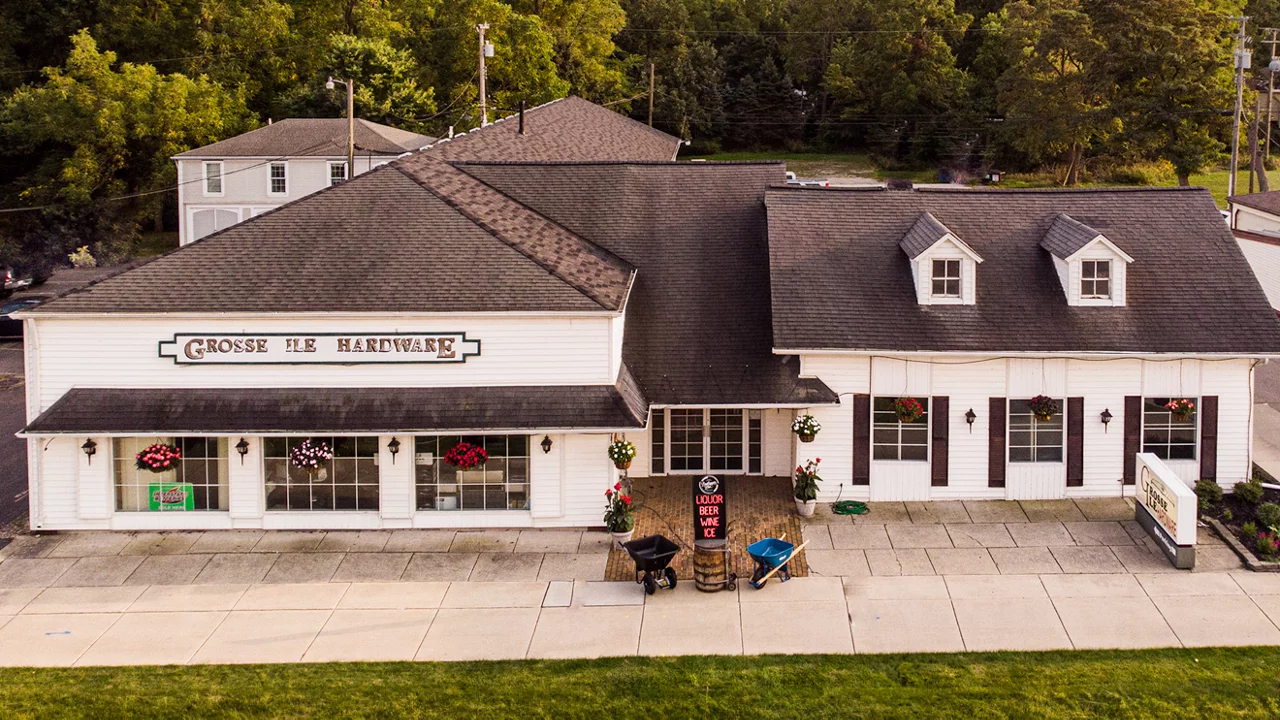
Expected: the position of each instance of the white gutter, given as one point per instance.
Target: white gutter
(34, 314)
(343, 433)
(993, 355)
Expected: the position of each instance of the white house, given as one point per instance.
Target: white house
(235, 179)
(1255, 221)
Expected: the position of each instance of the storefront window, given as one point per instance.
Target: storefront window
(726, 439)
(896, 440)
(1032, 439)
(1164, 434)
(347, 481)
(501, 483)
(199, 482)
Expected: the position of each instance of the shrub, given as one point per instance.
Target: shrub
(1209, 492)
(1250, 492)
(1267, 544)
(1249, 529)
(1228, 515)
(1269, 515)
(1142, 173)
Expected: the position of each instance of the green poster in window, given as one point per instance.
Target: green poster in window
(171, 496)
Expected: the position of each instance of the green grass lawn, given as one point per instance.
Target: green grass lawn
(1217, 683)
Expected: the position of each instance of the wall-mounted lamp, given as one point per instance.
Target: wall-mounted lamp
(90, 448)
(242, 447)
(969, 417)
(1106, 419)
(546, 444)
(394, 447)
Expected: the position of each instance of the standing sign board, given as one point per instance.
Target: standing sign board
(1166, 508)
(709, 518)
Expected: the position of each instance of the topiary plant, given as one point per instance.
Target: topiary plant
(1209, 493)
(1269, 515)
(1250, 492)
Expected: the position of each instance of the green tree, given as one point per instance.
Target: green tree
(386, 84)
(585, 54)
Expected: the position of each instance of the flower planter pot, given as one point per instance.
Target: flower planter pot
(805, 507)
(622, 464)
(1045, 418)
(807, 438)
(1181, 417)
(621, 537)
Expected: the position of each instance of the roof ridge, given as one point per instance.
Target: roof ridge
(590, 269)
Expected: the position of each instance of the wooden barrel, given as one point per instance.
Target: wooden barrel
(709, 565)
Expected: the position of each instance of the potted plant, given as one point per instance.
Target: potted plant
(466, 456)
(908, 409)
(1180, 408)
(158, 458)
(309, 455)
(806, 488)
(619, 517)
(1043, 407)
(806, 426)
(622, 452)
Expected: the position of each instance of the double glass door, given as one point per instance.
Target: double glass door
(706, 439)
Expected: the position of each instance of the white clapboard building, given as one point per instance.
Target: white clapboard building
(1255, 221)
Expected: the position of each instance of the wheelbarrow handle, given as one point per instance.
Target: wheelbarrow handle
(778, 567)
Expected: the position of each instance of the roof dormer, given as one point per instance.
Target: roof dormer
(1091, 268)
(943, 266)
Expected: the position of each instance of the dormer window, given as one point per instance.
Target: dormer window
(1095, 279)
(946, 278)
(943, 267)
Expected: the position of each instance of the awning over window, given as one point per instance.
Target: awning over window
(176, 411)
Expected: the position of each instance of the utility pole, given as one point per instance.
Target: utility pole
(1242, 61)
(351, 122)
(1272, 68)
(650, 94)
(486, 50)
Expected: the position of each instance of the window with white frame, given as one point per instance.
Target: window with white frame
(337, 172)
(213, 178)
(893, 439)
(685, 442)
(1166, 435)
(197, 482)
(279, 182)
(500, 483)
(1095, 279)
(1032, 439)
(346, 481)
(946, 278)
(695, 440)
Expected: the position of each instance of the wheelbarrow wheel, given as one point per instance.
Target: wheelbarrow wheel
(650, 585)
(671, 579)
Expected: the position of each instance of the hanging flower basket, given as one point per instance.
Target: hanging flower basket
(466, 456)
(622, 452)
(308, 455)
(807, 427)
(1180, 408)
(907, 409)
(1043, 407)
(158, 458)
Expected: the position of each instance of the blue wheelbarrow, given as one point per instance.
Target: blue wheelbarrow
(771, 556)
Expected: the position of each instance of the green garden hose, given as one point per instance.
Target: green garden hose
(848, 507)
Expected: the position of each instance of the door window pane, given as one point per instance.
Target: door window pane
(501, 483)
(658, 442)
(726, 439)
(755, 445)
(686, 440)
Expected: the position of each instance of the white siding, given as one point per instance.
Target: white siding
(1103, 387)
(546, 491)
(1232, 383)
(587, 473)
(1264, 258)
(1255, 220)
(776, 437)
(397, 495)
(969, 386)
(834, 444)
(922, 273)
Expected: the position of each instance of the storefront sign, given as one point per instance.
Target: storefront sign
(709, 517)
(318, 348)
(170, 496)
(1166, 507)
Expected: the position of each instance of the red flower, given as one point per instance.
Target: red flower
(618, 486)
(607, 493)
(626, 499)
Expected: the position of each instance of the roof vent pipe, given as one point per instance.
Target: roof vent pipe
(521, 117)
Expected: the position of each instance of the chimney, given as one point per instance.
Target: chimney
(521, 117)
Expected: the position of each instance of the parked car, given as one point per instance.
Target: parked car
(12, 282)
(11, 327)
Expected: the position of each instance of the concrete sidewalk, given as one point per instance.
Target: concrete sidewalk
(238, 623)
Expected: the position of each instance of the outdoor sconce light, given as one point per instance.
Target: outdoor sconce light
(969, 417)
(1106, 419)
(394, 447)
(546, 444)
(242, 447)
(90, 448)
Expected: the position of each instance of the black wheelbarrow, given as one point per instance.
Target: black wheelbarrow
(653, 555)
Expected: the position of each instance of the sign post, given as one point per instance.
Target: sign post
(1166, 509)
(709, 518)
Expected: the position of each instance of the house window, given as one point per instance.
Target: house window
(198, 482)
(347, 481)
(1164, 434)
(686, 440)
(658, 442)
(893, 439)
(337, 172)
(946, 278)
(695, 440)
(1032, 439)
(279, 179)
(501, 483)
(1095, 279)
(213, 178)
(726, 440)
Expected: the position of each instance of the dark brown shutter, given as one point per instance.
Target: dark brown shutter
(995, 442)
(861, 439)
(1075, 442)
(1132, 436)
(1209, 437)
(941, 432)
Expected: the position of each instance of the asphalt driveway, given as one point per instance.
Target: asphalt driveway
(13, 451)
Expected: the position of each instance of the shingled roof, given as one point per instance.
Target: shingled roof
(839, 280)
(1268, 202)
(313, 137)
(1067, 236)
